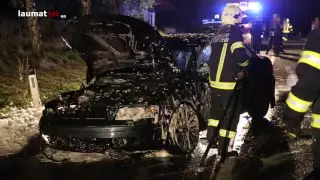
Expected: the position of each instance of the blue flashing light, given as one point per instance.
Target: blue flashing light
(254, 6)
(249, 6)
(215, 22)
(210, 21)
(205, 20)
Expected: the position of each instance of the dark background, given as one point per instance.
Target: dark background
(188, 13)
(300, 12)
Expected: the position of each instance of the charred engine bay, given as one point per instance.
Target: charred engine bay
(116, 90)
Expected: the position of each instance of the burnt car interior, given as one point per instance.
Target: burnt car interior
(203, 59)
(182, 58)
(189, 51)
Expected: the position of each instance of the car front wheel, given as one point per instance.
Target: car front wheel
(183, 130)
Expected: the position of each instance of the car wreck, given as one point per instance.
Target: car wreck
(144, 91)
(139, 97)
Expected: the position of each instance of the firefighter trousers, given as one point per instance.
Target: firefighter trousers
(219, 100)
(270, 44)
(277, 47)
(316, 137)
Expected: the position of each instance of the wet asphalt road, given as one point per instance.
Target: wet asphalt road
(32, 165)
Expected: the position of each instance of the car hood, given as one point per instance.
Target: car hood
(107, 42)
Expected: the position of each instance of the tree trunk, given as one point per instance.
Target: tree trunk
(86, 7)
(33, 27)
(115, 6)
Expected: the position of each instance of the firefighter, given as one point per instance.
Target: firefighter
(306, 94)
(225, 66)
(271, 40)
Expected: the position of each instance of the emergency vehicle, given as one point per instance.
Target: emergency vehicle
(253, 13)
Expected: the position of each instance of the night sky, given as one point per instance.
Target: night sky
(301, 12)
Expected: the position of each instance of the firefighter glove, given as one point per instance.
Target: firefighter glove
(240, 75)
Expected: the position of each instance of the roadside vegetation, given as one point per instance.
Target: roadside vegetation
(34, 43)
(58, 68)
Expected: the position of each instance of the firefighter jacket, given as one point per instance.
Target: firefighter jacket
(228, 57)
(306, 92)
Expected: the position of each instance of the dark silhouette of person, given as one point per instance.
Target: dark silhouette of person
(277, 41)
(257, 32)
(271, 40)
(281, 44)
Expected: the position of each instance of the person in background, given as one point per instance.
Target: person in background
(247, 39)
(281, 43)
(277, 41)
(257, 33)
(271, 40)
(245, 28)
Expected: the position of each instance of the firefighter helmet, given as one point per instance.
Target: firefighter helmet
(232, 14)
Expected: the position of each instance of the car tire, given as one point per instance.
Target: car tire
(183, 130)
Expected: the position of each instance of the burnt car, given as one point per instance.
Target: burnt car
(137, 97)
(144, 91)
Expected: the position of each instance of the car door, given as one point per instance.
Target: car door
(203, 89)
